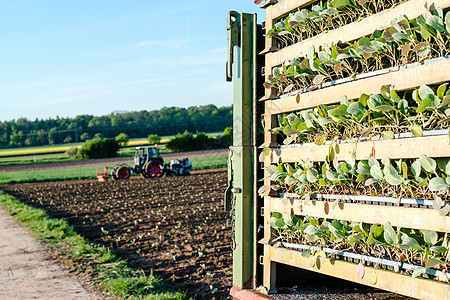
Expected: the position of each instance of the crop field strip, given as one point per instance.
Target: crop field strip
(53, 149)
(176, 227)
(86, 170)
(296, 217)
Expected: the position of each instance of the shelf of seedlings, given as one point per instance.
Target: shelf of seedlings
(357, 142)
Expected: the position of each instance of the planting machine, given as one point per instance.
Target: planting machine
(149, 164)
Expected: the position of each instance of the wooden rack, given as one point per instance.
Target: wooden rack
(402, 79)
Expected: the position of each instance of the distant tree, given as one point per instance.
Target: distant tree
(122, 139)
(188, 142)
(181, 142)
(137, 124)
(98, 148)
(227, 136)
(99, 135)
(85, 136)
(67, 140)
(73, 152)
(154, 139)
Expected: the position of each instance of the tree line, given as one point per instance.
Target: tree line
(166, 121)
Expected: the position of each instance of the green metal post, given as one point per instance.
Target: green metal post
(240, 70)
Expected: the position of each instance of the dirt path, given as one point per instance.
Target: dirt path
(28, 272)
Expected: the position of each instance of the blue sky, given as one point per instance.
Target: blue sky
(65, 58)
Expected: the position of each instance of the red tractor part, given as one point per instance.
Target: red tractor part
(154, 169)
(123, 173)
(102, 176)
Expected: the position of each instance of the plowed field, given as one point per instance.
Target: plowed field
(175, 226)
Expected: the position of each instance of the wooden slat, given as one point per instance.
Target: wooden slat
(397, 283)
(432, 146)
(286, 6)
(412, 9)
(405, 79)
(405, 217)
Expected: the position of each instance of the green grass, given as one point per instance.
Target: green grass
(32, 159)
(110, 273)
(209, 162)
(48, 175)
(201, 163)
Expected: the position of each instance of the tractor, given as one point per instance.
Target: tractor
(149, 164)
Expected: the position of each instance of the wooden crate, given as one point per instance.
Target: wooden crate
(402, 79)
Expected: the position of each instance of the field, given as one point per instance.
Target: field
(176, 227)
(54, 153)
(86, 169)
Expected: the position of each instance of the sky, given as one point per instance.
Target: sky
(65, 58)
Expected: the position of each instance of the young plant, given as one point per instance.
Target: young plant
(423, 248)
(404, 42)
(385, 114)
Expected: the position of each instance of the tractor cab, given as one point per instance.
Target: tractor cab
(145, 154)
(148, 162)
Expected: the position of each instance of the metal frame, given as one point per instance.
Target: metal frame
(241, 66)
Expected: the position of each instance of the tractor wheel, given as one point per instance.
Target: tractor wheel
(144, 174)
(154, 169)
(123, 173)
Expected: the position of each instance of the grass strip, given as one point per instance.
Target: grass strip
(110, 273)
(198, 163)
(48, 175)
(209, 162)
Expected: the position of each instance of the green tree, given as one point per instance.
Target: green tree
(227, 136)
(122, 139)
(98, 148)
(85, 136)
(154, 138)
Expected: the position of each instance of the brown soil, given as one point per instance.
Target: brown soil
(174, 225)
(107, 161)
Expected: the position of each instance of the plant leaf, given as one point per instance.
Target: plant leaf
(428, 164)
(410, 242)
(403, 106)
(425, 92)
(360, 270)
(418, 271)
(391, 176)
(387, 135)
(430, 237)
(432, 262)
(436, 22)
(373, 278)
(425, 104)
(437, 184)
(356, 109)
(441, 90)
(376, 172)
(437, 202)
(416, 168)
(389, 235)
(416, 130)
(318, 79)
(264, 190)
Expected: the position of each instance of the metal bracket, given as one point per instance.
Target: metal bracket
(233, 39)
(228, 192)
